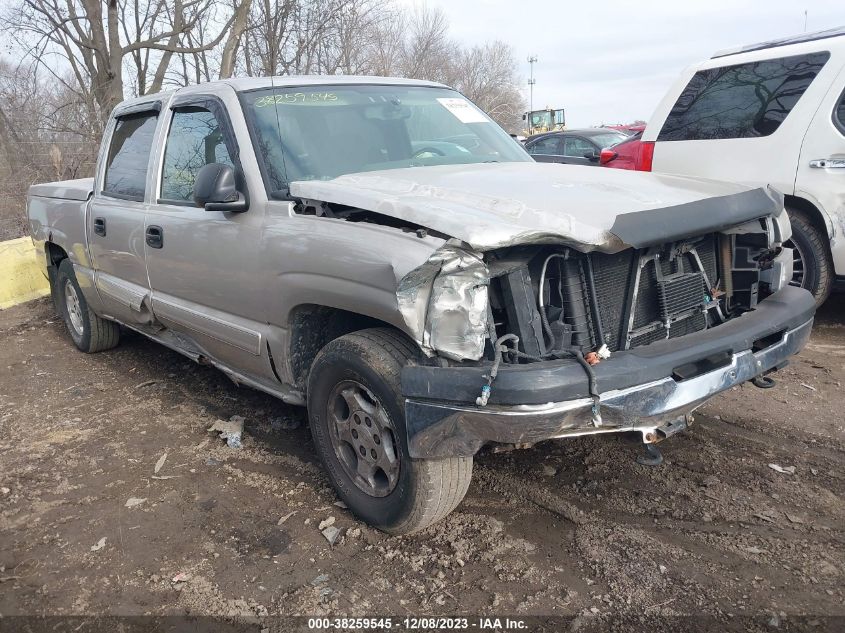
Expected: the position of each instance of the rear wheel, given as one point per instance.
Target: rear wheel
(89, 332)
(811, 265)
(357, 421)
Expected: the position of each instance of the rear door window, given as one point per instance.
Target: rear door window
(839, 114)
(741, 101)
(194, 140)
(577, 147)
(129, 156)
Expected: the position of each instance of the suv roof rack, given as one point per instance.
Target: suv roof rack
(784, 41)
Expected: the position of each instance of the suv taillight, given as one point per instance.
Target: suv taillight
(645, 155)
(606, 156)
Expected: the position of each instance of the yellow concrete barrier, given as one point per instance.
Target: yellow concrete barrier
(21, 273)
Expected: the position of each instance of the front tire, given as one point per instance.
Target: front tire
(89, 332)
(357, 418)
(812, 268)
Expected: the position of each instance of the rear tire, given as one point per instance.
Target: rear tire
(354, 389)
(812, 266)
(89, 332)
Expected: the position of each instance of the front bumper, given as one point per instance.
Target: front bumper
(642, 390)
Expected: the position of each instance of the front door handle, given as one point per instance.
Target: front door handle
(100, 226)
(828, 163)
(155, 236)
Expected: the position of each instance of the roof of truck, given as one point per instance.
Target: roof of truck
(251, 83)
(241, 84)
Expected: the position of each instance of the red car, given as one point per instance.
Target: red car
(627, 129)
(632, 153)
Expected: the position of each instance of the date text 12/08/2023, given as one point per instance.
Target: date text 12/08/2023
(419, 623)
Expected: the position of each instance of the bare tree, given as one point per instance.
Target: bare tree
(487, 74)
(385, 43)
(428, 51)
(284, 35)
(346, 47)
(44, 135)
(240, 23)
(95, 38)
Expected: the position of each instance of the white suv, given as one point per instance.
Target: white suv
(770, 113)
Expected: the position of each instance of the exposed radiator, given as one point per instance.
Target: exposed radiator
(674, 294)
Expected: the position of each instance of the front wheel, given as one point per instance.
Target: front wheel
(89, 332)
(811, 265)
(357, 419)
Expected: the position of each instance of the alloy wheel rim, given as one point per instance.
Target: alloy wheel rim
(363, 438)
(798, 272)
(74, 309)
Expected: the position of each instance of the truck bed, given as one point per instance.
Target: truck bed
(57, 213)
(79, 189)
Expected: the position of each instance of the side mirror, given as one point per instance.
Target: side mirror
(215, 189)
(591, 156)
(607, 155)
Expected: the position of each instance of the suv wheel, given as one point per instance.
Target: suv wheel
(357, 418)
(811, 265)
(89, 332)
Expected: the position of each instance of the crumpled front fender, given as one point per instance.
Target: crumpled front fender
(444, 303)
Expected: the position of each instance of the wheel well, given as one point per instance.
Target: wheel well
(55, 254)
(313, 326)
(810, 211)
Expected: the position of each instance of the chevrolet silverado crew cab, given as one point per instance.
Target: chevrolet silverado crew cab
(383, 253)
(767, 114)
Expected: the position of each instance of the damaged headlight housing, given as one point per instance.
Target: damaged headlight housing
(445, 303)
(457, 311)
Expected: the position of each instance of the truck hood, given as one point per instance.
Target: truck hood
(492, 205)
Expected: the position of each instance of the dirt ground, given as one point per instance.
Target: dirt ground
(573, 527)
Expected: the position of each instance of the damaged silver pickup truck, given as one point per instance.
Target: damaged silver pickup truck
(382, 252)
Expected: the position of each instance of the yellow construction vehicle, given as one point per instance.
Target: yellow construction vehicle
(548, 120)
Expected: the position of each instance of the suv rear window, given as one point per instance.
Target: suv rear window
(129, 155)
(839, 114)
(742, 101)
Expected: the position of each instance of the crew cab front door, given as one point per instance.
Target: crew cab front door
(115, 220)
(203, 265)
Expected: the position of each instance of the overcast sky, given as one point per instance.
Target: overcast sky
(610, 61)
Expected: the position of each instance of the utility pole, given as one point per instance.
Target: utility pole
(805, 20)
(531, 81)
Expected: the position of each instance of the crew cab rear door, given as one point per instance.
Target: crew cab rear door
(204, 265)
(821, 169)
(115, 219)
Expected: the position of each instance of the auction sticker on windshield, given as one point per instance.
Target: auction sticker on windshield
(463, 110)
(295, 97)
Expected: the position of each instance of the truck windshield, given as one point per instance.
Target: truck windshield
(321, 132)
(541, 118)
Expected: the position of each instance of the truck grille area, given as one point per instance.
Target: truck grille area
(637, 294)
(562, 300)
(680, 293)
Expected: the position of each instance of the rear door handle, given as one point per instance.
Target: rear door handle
(828, 163)
(155, 236)
(100, 226)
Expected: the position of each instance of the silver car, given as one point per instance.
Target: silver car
(383, 253)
